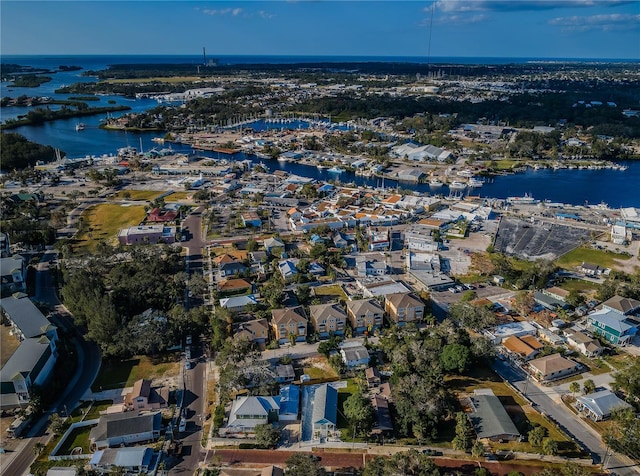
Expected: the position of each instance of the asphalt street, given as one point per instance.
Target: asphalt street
(556, 411)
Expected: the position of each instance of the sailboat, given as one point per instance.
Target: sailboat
(80, 126)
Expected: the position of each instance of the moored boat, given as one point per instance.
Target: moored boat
(457, 185)
(80, 126)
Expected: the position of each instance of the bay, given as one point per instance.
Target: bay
(577, 187)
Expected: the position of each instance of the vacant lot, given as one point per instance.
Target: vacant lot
(102, 223)
(542, 241)
(124, 373)
(604, 259)
(329, 290)
(138, 194)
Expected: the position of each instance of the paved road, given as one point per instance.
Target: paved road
(575, 428)
(86, 371)
(194, 403)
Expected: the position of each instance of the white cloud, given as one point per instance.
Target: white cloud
(462, 6)
(265, 15)
(225, 11)
(613, 22)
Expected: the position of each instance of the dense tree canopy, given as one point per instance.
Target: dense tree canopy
(16, 152)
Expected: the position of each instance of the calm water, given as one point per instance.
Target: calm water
(616, 188)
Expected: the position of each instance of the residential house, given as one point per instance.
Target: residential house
(556, 293)
(324, 417)
(613, 326)
(249, 411)
(251, 219)
(156, 215)
(31, 364)
(270, 244)
(365, 315)
(590, 269)
(622, 305)
(238, 303)
(289, 323)
(144, 397)
(33, 361)
(369, 266)
(285, 373)
(599, 405)
(256, 330)
(287, 269)
(339, 241)
(115, 429)
(383, 424)
(354, 354)
(517, 346)
(328, 319)
(147, 234)
(403, 307)
(549, 302)
(25, 318)
(553, 367)
(134, 460)
(378, 239)
(13, 275)
(289, 403)
(234, 286)
(585, 344)
(373, 377)
(489, 418)
(229, 266)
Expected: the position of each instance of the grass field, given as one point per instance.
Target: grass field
(576, 257)
(104, 221)
(138, 194)
(329, 290)
(123, 373)
(176, 196)
(8, 344)
(579, 285)
(77, 438)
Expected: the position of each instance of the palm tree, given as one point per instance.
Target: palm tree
(574, 387)
(38, 448)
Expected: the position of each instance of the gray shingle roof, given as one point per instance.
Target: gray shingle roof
(122, 424)
(490, 419)
(25, 315)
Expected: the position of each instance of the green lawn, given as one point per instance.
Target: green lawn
(576, 257)
(579, 285)
(103, 222)
(77, 438)
(124, 373)
(329, 290)
(145, 195)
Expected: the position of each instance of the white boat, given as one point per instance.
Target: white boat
(465, 173)
(456, 185)
(435, 183)
(321, 167)
(282, 158)
(525, 200)
(80, 126)
(475, 182)
(335, 170)
(159, 140)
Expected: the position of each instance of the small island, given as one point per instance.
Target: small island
(30, 81)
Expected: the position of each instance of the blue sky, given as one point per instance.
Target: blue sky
(463, 28)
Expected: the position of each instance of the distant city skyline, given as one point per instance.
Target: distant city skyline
(439, 28)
